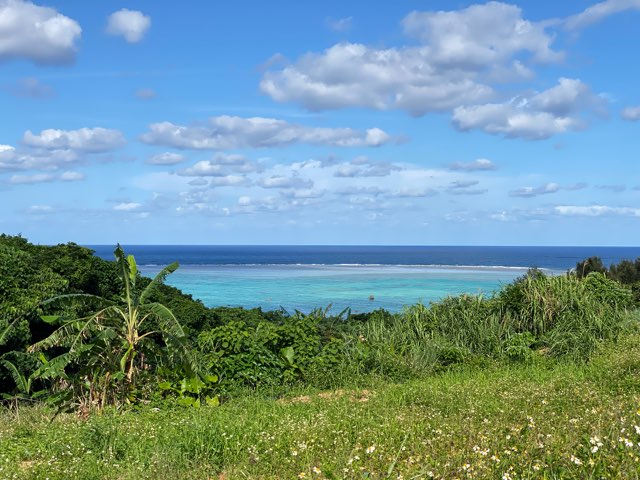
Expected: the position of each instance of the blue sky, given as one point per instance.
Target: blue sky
(329, 122)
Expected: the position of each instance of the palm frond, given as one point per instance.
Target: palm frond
(158, 280)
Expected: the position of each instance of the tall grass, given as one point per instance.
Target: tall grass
(560, 316)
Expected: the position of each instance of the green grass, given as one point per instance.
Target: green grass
(542, 420)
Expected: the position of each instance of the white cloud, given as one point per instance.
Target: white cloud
(569, 96)
(354, 75)
(462, 187)
(458, 184)
(362, 167)
(534, 117)
(460, 52)
(281, 181)
(39, 34)
(130, 24)
(127, 206)
(480, 35)
(230, 181)
(414, 192)
(14, 160)
(40, 209)
(228, 132)
(302, 194)
(631, 113)
(535, 191)
(222, 165)
(70, 176)
(89, 140)
(596, 211)
(599, 11)
(511, 122)
(475, 165)
(166, 158)
(30, 179)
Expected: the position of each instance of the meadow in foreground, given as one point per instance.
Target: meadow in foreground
(526, 421)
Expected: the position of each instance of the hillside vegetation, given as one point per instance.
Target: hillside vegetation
(140, 378)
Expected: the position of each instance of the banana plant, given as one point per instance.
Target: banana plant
(124, 327)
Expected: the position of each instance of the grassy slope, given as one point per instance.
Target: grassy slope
(535, 421)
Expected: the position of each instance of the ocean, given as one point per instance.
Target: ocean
(363, 278)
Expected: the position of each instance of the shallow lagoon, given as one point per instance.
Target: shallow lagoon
(305, 287)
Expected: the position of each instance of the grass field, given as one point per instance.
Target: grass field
(540, 420)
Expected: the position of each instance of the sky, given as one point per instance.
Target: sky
(249, 122)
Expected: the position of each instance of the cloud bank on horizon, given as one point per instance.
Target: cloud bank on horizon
(492, 123)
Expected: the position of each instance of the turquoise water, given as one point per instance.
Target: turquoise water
(305, 287)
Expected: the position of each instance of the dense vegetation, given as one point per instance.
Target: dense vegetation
(78, 333)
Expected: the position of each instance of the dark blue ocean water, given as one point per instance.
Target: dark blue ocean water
(363, 278)
(557, 258)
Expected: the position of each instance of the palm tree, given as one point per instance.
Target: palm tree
(115, 335)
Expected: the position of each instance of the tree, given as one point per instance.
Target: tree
(109, 345)
(591, 264)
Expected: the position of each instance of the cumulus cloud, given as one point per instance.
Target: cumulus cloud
(480, 35)
(222, 165)
(459, 52)
(281, 181)
(600, 11)
(90, 140)
(127, 206)
(532, 117)
(166, 158)
(475, 165)
(15, 160)
(56, 149)
(40, 209)
(68, 176)
(72, 176)
(458, 184)
(631, 113)
(39, 34)
(528, 192)
(414, 192)
(130, 24)
(30, 179)
(30, 88)
(596, 211)
(228, 132)
(302, 194)
(363, 167)
(463, 187)
(230, 181)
